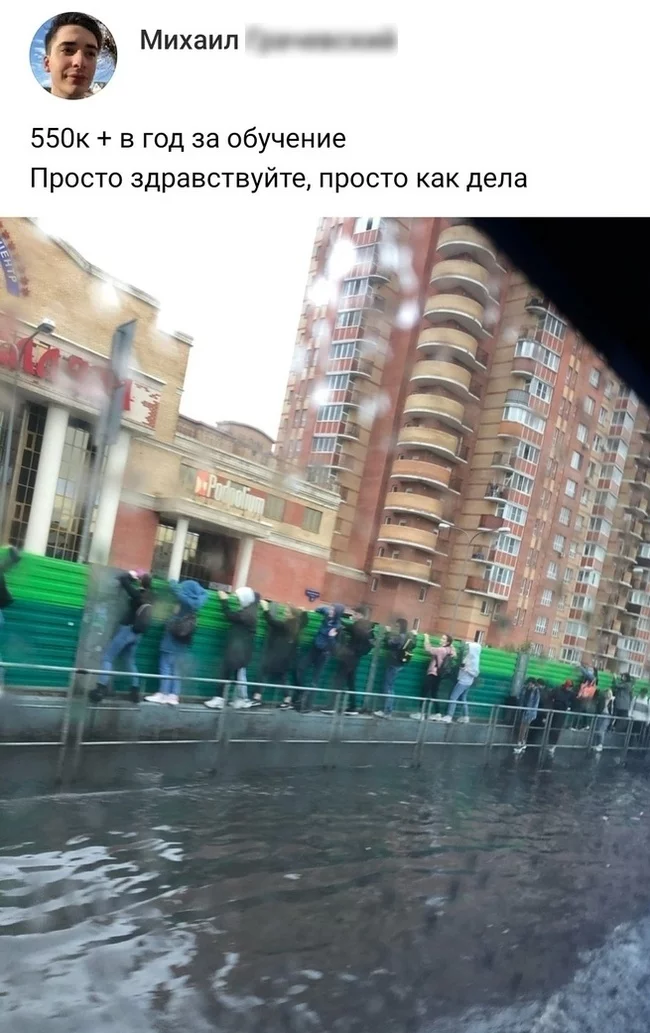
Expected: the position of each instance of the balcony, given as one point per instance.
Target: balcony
(437, 441)
(406, 569)
(456, 274)
(538, 303)
(643, 560)
(355, 366)
(519, 432)
(445, 409)
(617, 600)
(374, 269)
(399, 534)
(411, 502)
(523, 366)
(515, 396)
(483, 586)
(465, 240)
(610, 628)
(489, 522)
(465, 311)
(454, 344)
(447, 374)
(638, 506)
(504, 460)
(420, 470)
(497, 492)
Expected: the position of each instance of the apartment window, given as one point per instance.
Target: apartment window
(585, 498)
(536, 649)
(529, 453)
(573, 550)
(394, 554)
(582, 433)
(609, 389)
(373, 584)
(589, 405)
(551, 468)
(599, 443)
(602, 415)
(564, 515)
(595, 552)
(541, 625)
(539, 389)
(580, 521)
(586, 576)
(576, 460)
(354, 287)
(559, 543)
(329, 413)
(515, 414)
(519, 482)
(592, 471)
(487, 606)
(568, 575)
(416, 624)
(344, 350)
(323, 444)
(571, 656)
(274, 507)
(512, 514)
(571, 488)
(422, 595)
(577, 629)
(350, 317)
(364, 224)
(555, 630)
(338, 382)
(501, 575)
(505, 543)
(551, 652)
(311, 520)
(600, 526)
(380, 551)
(609, 472)
(594, 377)
(547, 597)
(554, 326)
(479, 636)
(552, 571)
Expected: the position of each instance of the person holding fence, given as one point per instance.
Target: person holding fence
(441, 664)
(355, 641)
(469, 672)
(604, 709)
(239, 646)
(313, 660)
(280, 656)
(177, 641)
(6, 598)
(400, 645)
(529, 702)
(124, 643)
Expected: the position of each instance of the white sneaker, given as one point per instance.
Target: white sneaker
(214, 704)
(463, 720)
(418, 716)
(447, 719)
(158, 697)
(172, 698)
(551, 751)
(599, 748)
(519, 749)
(380, 713)
(436, 717)
(238, 704)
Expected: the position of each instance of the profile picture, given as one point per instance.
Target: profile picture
(73, 56)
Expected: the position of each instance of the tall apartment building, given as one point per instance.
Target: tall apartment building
(494, 473)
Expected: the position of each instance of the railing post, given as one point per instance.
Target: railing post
(65, 727)
(628, 736)
(336, 725)
(491, 728)
(543, 746)
(222, 739)
(81, 724)
(425, 714)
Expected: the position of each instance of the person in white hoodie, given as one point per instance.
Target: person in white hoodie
(469, 672)
(640, 714)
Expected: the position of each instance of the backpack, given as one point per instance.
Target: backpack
(446, 666)
(142, 619)
(6, 598)
(587, 690)
(182, 627)
(408, 649)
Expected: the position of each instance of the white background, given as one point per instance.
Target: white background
(556, 90)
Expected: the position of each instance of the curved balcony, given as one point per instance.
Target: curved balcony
(418, 505)
(447, 410)
(538, 303)
(464, 311)
(515, 396)
(482, 586)
(523, 366)
(420, 470)
(447, 374)
(406, 569)
(454, 343)
(504, 461)
(490, 522)
(497, 492)
(519, 432)
(458, 273)
(436, 441)
(638, 506)
(465, 240)
(399, 534)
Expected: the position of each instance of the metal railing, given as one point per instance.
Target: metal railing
(115, 721)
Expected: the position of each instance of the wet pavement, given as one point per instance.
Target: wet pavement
(463, 898)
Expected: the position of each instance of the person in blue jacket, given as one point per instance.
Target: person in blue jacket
(313, 660)
(177, 640)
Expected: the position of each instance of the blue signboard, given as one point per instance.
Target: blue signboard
(312, 594)
(12, 279)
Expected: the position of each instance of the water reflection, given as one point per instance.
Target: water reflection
(459, 899)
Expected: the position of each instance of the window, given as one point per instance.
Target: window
(595, 552)
(515, 414)
(506, 543)
(587, 576)
(364, 224)
(487, 606)
(479, 636)
(573, 550)
(394, 554)
(519, 482)
(577, 629)
(594, 377)
(600, 526)
(568, 575)
(547, 597)
(552, 571)
(576, 460)
(512, 514)
(602, 415)
(529, 453)
(541, 625)
(585, 497)
(579, 524)
(592, 471)
(536, 649)
(380, 551)
(571, 488)
(311, 520)
(599, 443)
(531, 350)
(609, 472)
(555, 631)
(554, 326)
(338, 382)
(344, 350)
(373, 584)
(274, 507)
(539, 389)
(416, 624)
(571, 656)
(609, 389)
(329, 413)
(64, 538)
(422, 595)
(589, 405)
(323, 444)
(565, 515)
(551, 652)
(559, 543)
(582, 433)
(351, 317)
(501, 575)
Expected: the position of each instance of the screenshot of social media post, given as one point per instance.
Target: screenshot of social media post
(325, 536)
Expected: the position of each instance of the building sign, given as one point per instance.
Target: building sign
(208, 486)
(15, 280)
(79, 378)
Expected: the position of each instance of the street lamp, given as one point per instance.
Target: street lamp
(471, 538)
(47, 326)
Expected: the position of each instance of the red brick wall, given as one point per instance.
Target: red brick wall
(134, 538)
(346, 590)
(284, 574)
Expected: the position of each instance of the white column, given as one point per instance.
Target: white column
(109, 499)
(178, 548)
(243, 565)
(47, 476)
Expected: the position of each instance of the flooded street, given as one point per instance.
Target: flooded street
(460, 899)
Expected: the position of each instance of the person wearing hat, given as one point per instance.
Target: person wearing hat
(240, 642)
(135, 621)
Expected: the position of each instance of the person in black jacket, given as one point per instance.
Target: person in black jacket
(6, 598)
(355, 641)
(560, 701)
(280, 658)
(240, 642)
(396, 642)
(125, 641)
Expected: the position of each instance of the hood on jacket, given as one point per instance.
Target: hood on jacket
(339, 610)
(473, 657)
(246, 597)
(192, 594)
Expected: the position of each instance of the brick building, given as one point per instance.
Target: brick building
(492, 469)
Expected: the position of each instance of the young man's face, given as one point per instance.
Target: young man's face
(72, 61)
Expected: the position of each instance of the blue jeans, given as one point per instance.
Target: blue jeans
(601, 726)
(389, 688)
(459, 695)
(169, 667)
(124, 643)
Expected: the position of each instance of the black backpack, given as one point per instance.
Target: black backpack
(182, 627)
(6, 598)
(447, 666)
(143, 618)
